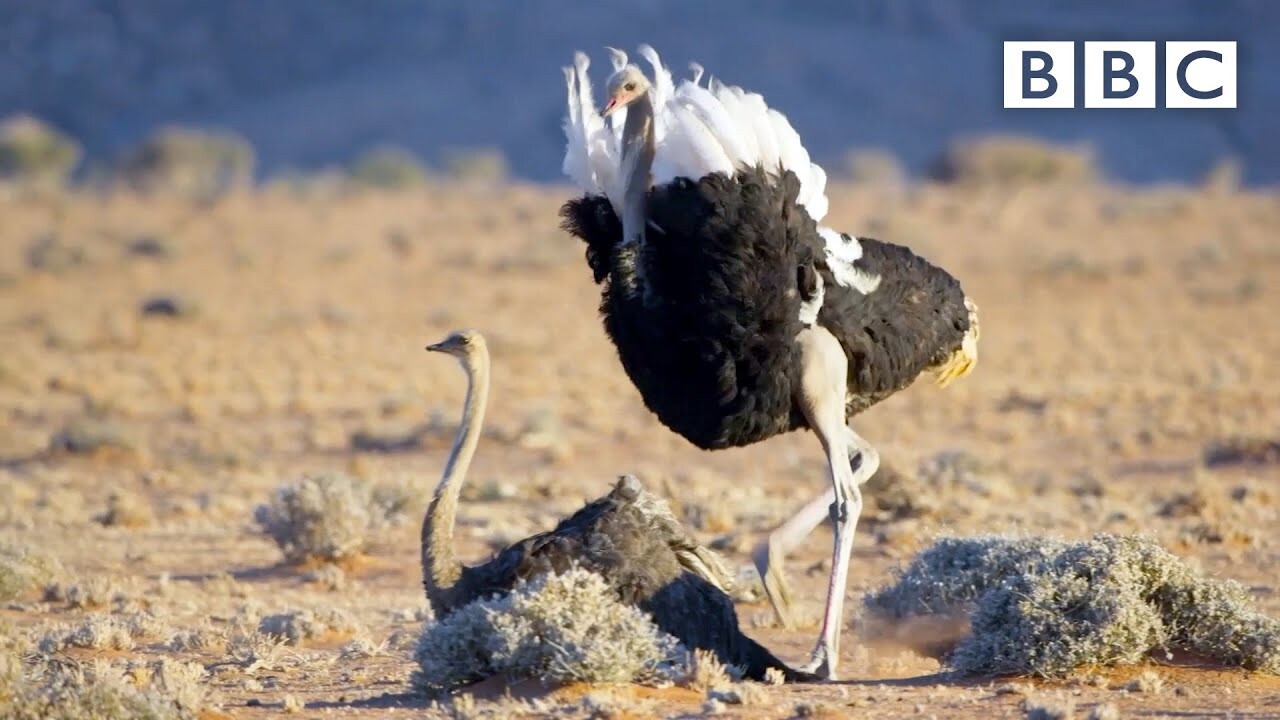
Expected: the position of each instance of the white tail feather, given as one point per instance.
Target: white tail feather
(697, 131)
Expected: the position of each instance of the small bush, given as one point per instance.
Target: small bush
(99, 691)
(389, 168)
(875, 166)
(1014, 161)
(299, 625)
(87, 436)
(486, 166)
(22, 570)
(196, 163)
(556, 628)
(326, 517)
(1046, 607)
(34, 154)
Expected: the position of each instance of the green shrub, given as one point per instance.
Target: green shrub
(556, 628)
(99, 691)
(1045, 607)
(196, 163)
(485, 166)
(327, 517)
(875, 166)
(1014, 161)
(388, 168)
(35, 154)
(21, 570)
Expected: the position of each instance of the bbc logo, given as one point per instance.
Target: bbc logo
(1119, 74)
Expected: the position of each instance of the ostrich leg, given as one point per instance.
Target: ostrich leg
(822, 399)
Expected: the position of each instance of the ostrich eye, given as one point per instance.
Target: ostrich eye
(629, 86)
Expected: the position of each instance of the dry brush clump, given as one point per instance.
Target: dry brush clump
(556, 628)
(328, 517)
(296, 626)
(43, 690)
(1009, 160)
(1046, 607)
(21, 570)
(35, 155)
(388, 167)
(195, 163)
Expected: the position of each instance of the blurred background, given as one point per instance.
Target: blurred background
(313, 84)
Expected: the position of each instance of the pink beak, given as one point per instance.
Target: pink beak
(613, 105)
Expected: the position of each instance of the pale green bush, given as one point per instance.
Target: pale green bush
(33, 154)
(1045, 607)
(556, 628)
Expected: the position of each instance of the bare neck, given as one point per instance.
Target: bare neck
(637, 165)
(441, 568)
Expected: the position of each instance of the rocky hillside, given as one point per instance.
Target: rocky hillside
(312, 82)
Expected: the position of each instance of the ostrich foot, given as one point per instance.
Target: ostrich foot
(819, 665)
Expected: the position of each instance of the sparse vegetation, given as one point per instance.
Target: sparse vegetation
(484, 166)
(1008, 160)
(327, 517)
(875, 167)
(168, 690)
(195, 163)
(35, 155)
(87, 436)
(297, 626)
(1089, 419)
(1046, 607)
(388, 168)
(557, 628)
(22, 570)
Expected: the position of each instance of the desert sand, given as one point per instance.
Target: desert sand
(167, 364)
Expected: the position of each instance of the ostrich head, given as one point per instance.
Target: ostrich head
(462, 344)
(624, 87)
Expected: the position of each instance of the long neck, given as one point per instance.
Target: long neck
(441, 568)
(637, 164)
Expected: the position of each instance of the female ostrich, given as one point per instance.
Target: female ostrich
(735, 315)
(629, 537)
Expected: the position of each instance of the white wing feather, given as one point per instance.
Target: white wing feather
(697, 131)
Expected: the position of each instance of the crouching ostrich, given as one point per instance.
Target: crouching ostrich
(734, 313)
(629, 537)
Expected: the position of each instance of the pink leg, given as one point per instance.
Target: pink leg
(822, 398)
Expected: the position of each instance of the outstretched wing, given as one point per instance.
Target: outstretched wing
(698, 130)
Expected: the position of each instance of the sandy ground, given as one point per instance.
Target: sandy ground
(1126, 333)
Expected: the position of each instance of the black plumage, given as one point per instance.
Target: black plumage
(708, 336)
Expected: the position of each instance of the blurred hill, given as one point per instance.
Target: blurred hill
(314, 82)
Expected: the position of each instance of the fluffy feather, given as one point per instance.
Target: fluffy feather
(697, 131)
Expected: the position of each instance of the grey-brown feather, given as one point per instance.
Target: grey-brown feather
(631, 538)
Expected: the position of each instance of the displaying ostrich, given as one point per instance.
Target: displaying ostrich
(629, 537)
(734, 313)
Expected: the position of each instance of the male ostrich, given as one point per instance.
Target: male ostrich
(735, 315)
(629, 537)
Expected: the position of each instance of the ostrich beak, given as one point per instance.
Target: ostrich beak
(436, 347)
(613, 105)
